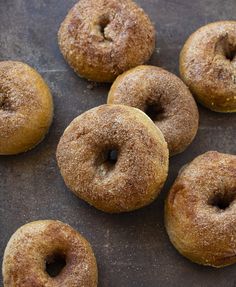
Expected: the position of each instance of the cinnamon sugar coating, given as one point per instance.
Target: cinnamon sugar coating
(137, 175)
(200, 211)
(167, 99)
(208, 65)
(26, 108)
(32, 246)
(101, 39)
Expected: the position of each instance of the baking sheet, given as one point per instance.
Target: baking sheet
(131, 249)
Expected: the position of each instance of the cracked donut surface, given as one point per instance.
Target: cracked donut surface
(101, 39)
(200, 210)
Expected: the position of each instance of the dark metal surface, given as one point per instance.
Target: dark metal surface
(131, 249)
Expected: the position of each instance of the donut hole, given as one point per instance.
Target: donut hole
(5, 103)
(226, 48)
(55, 264)
(110, 157)
(103, 23)
(155, 112)
(222, 201)
(230, 54)
(107, 160)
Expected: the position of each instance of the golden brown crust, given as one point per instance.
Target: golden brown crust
(175, 111)
(101, 39)
(141, 169)
(26, 254)
(26, 108)
(208, 65)
(200, 211)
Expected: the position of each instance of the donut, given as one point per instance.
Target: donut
(26, 108)
(208, 65)
(114, 158)
(35, 247)
(101, 39)
(200, 210)
(164, 98)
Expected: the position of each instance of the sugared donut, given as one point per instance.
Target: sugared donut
(114, 158)
(101, 39)
(26, 108)
(208, 65)
(34, 249)
(200, 212)
(164, 98)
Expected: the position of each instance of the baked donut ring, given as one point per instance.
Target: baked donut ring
(37, 245)
(101, 39)
(208, 65)
(114, 158)
(200, 211)
(164, 98)
(26, 108)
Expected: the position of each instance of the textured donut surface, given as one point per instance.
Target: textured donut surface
(26, 108)
(208, 65)
(139, 172)
(36, 243)
(164, 97)
(200, 211)
(101, 39)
